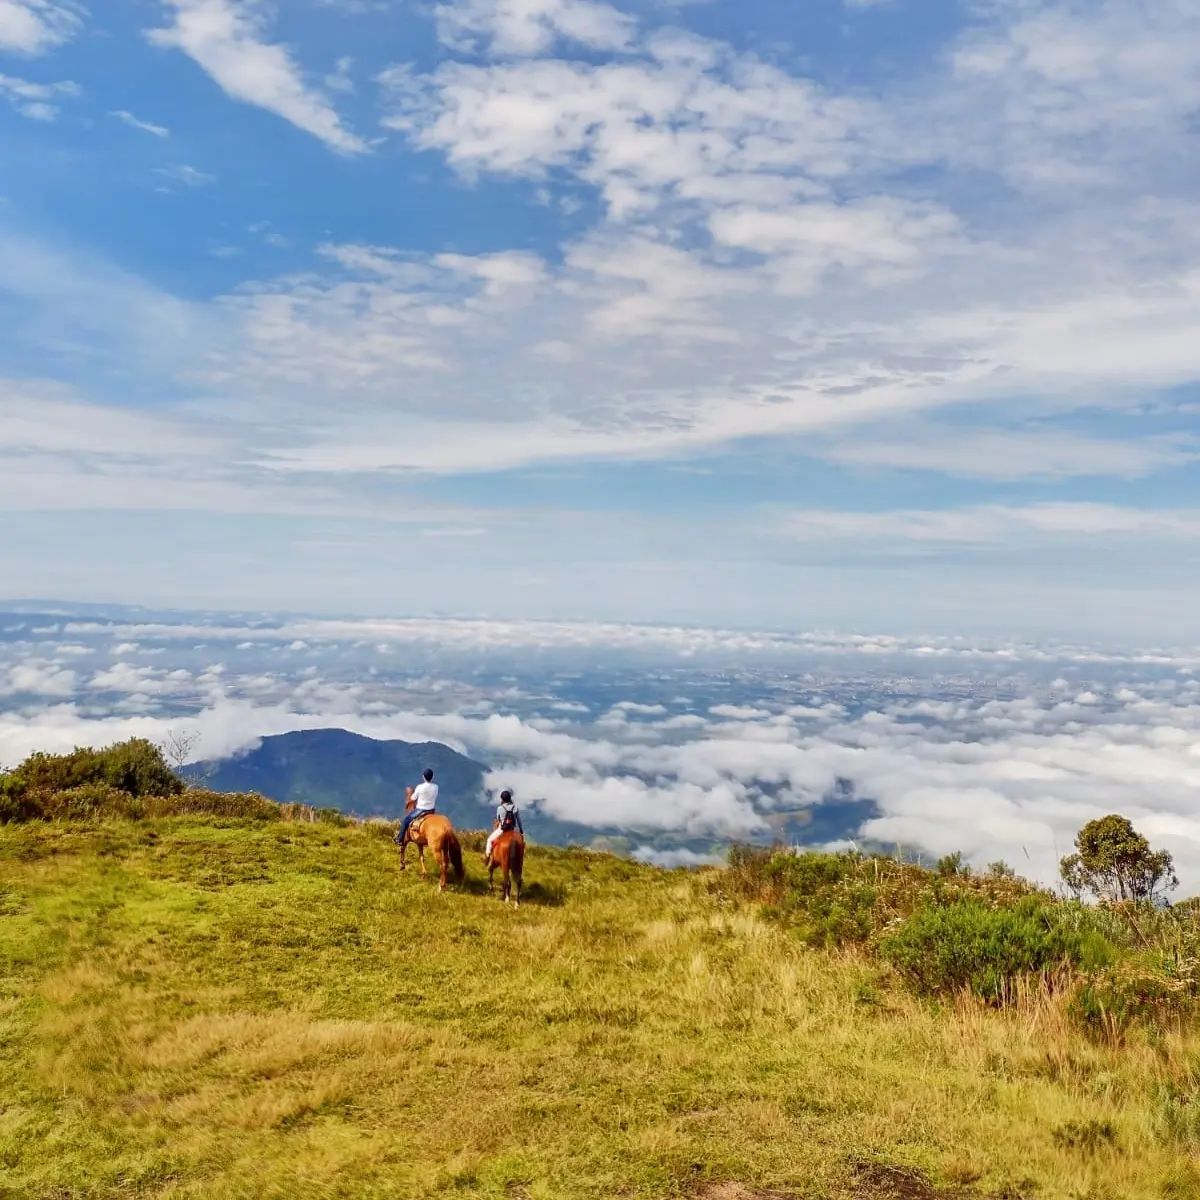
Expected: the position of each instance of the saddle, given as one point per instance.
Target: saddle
(413, 829)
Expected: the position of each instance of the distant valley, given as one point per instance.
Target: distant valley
(364, 776)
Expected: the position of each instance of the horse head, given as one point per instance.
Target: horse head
(409, 802)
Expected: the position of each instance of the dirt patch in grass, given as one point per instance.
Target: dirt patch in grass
(872, 1181)
(879, 1181)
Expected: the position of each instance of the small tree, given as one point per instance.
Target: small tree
(953, 864)
(177, 747)
(1114, 862)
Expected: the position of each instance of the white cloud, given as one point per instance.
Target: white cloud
(753, 254)
(705, 130)
(225, 38)
(1011, 778)
(38, 416)
(133, 122)
(35, 26)
(37, 677)
(689, 643)
(38, 101)
(530, 27)
(1006, 771)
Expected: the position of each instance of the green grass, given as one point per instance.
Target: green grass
(206, 1007)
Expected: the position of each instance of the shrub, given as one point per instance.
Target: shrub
(833, 899)
(89, 800)
(16, 804)
(92, 801)
(200, 801)
(968, 945)
(953, 864)
(135, 767)
(1154, 990)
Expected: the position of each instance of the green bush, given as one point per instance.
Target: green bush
(135, 767)
(200, 801)
(88, 801)
(15, 802)
(966, 945)
(1151, 989)
(835, 899)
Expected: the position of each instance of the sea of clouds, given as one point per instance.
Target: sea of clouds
(999, 750)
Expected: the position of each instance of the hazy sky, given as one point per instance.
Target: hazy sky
(776, 312)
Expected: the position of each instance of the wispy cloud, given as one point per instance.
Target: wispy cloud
(531, 27)
(1037, 452)
(37, 101)
(187, 175)
(133, 122)
(35, 26)
(995, 524)
(225, 38)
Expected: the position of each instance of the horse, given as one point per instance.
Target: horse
(509, 855)
(436, 832)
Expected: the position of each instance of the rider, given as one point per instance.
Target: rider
(425, 794)
(507, 818)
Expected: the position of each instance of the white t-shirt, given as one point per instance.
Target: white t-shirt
(425, 794)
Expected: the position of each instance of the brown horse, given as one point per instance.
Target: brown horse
(436, 832)
(509, 855)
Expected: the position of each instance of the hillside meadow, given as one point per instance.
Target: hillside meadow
(215, 1006)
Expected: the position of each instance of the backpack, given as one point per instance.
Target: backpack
(509, 820)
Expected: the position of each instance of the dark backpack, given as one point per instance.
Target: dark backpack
(508, 820)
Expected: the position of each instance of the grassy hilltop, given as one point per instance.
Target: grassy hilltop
(207, 1005)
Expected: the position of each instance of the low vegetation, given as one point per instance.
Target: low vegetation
(212, 996)
(1125, 959)
(132, 780)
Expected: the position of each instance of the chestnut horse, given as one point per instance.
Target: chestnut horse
(509, 855)
(436, 832)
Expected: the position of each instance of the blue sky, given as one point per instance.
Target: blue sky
(877, 315)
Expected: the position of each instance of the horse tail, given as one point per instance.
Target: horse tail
(455, 851)
(516, 856)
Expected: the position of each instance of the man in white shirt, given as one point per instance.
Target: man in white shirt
(425, 794)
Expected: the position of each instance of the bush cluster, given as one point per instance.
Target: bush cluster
(135, 767)
(831, 899)
(947, 931)
(130, 779)
(966, 945)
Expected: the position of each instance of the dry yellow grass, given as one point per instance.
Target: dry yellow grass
(206, 1008)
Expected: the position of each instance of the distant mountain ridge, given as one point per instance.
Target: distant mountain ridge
(334, 768)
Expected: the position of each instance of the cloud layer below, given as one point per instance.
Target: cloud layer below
(995, 751)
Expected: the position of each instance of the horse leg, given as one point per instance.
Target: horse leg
(421, 856)
(507, 880)
(517, 887)
(444, 861)
(403, 852)
(491, 878)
